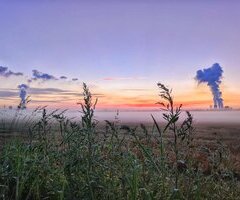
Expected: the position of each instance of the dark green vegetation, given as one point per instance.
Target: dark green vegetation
(80, 160)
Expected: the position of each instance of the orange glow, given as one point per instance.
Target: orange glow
(195, 98)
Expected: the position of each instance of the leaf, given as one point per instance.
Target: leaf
(161, 103)
(156, 124)
(173, 120)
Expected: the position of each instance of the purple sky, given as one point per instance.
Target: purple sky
(150, 40)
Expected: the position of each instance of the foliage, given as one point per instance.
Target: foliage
(64, 159)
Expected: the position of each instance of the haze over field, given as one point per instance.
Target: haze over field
(121, 49)
(119, 99)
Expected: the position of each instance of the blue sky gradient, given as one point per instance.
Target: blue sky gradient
(140, 41)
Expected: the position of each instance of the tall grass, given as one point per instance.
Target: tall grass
(62, 159)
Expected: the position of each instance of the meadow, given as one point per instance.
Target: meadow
(53, 156)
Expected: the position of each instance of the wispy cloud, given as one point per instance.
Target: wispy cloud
(75, 79)
(77, 94)
(58, 92)
(46, 91)
(35, 91)
(5, 93)
(6, 73)
(50, 101)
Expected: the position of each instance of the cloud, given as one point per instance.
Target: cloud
(4, 94)
(78, 94)
(36, 75)
(13, 92)
(6, 73)
(35, 91)
(47, 101)
(56, 91)
(43, 96)
(46, 91)
(42, 76)
(63, 77)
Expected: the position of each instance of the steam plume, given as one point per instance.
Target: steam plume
(22, 94)
(212, 76)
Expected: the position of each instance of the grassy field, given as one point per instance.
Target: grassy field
(56, 158)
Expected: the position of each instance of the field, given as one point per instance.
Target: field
(55, 158)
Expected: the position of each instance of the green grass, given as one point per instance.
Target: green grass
(70, 160)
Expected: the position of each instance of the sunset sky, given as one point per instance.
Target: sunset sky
(121, 49)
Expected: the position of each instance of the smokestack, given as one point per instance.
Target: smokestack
(212, 76)
(22, 94)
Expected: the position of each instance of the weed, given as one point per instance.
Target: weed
(64, 159)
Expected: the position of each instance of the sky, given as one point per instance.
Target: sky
(121, 49)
